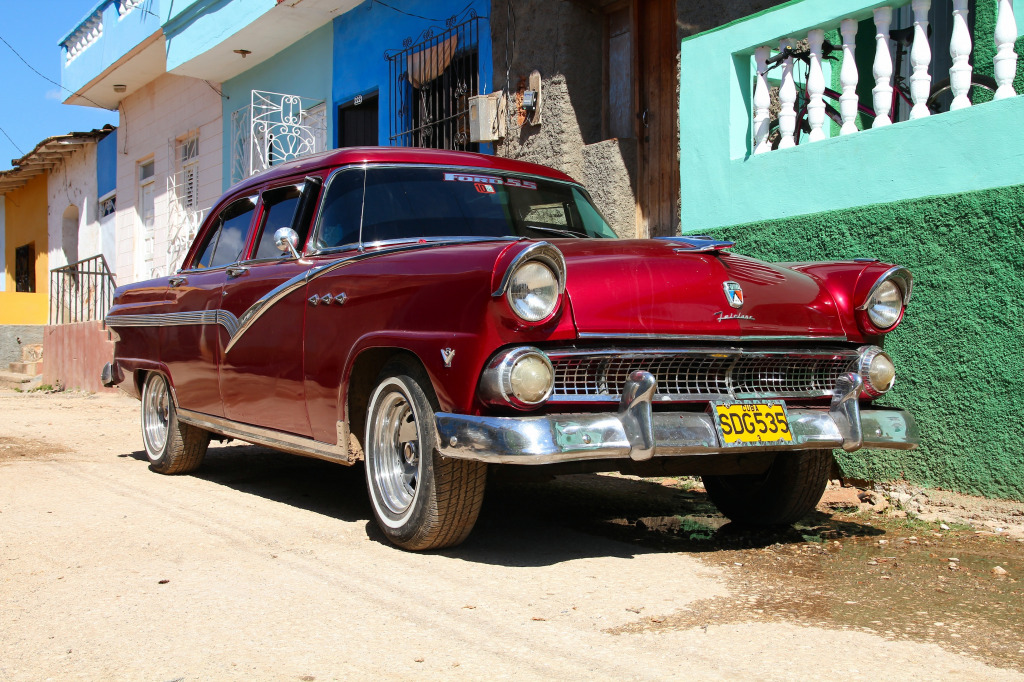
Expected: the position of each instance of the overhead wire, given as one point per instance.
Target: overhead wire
(12, 141)
(47, 78)
(410, 14)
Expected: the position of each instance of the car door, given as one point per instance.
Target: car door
(261, 375)
(192, 340)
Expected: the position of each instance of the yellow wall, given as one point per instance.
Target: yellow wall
(25, 223)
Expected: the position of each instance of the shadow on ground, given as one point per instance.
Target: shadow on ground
(523, 522)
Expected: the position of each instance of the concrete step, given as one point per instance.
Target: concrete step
(32, 352)
(29, 368)
(15, 380)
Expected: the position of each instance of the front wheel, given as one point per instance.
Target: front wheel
(787, 492)
(420, 499)
(171, 446)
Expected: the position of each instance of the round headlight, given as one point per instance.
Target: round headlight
(521, 377)
(533, 291)
(530, 379)
(877, 370)
(885, 305)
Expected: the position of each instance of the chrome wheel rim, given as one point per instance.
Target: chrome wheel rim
(396, 448)
(156, 416)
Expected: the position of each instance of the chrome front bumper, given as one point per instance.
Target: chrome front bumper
(637, 432)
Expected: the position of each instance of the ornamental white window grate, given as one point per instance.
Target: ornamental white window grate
(431, 81)
(275, 128)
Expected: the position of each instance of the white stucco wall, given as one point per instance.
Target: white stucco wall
(152, 119)
(72, 182)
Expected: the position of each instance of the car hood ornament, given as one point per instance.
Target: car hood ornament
(733, 293)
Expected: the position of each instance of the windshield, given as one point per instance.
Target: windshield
(423, 202)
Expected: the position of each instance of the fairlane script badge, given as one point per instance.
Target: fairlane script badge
(734, 293)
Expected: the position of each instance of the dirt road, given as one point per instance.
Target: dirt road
(268, 566)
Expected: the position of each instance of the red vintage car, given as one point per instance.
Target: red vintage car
(431, 313)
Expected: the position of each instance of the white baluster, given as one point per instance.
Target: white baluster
(787, 100)
(816, 87)
(1005, 61)
(762, 101)
(920, 58)
(848, 77)
(960, 51)
(881, 94)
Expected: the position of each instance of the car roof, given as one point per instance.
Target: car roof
(388, 155)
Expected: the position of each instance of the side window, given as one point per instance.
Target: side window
(226, 240)
(278, 210)
(342, 210)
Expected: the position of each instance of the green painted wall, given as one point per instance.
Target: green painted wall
(960, 351)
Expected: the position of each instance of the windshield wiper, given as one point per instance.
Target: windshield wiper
(555, 230)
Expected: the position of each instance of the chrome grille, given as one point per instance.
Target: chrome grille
(696, 375)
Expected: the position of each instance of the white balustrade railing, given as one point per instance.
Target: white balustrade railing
(787, 99)
(808, 105)
(87, 33)
(881, 94)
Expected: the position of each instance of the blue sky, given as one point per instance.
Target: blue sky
(32, 109)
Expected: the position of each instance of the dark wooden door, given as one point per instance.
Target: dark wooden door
(357, 122)
(657, 127)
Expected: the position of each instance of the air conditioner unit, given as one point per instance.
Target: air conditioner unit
(487, 117)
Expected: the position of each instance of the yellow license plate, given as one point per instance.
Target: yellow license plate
(752, 423)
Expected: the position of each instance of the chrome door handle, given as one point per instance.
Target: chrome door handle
(643, 118)
(177, 281)
(237, 270)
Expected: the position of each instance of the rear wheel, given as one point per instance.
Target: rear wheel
(420, 499)
(172, 447)
(787, 492)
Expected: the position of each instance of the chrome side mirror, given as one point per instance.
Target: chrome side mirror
(287, 240)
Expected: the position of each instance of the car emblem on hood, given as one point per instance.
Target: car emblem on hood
(733, 293)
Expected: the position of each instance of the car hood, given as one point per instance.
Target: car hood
(662, 288)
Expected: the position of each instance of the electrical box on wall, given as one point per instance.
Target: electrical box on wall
(487, 117)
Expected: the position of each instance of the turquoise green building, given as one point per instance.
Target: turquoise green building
(942, 194)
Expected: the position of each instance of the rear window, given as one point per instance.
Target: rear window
(381, 204)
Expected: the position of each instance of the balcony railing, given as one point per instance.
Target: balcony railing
(808, 111)
(81, 291)
(827, 79)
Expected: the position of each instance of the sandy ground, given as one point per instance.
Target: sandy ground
(268, 566)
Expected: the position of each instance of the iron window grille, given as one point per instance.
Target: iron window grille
(431, 82)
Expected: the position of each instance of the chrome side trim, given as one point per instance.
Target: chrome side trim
(222, 317)
(277, 440)
(257, 309)
(704, 337)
